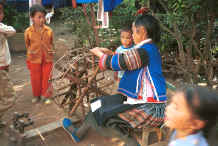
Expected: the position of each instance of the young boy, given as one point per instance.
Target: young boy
(5, 31)
(39, 44)
(127, 44)
(7, 94)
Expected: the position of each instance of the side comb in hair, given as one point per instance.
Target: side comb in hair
(142, 10)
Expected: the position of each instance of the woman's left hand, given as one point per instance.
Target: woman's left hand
(101, 51)
(51, 51)
(97, 52)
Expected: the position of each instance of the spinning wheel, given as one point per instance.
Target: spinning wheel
(77, 79)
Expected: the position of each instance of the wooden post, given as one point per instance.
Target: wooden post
(148, 3)
(94, 25)
(85, 14)
(97, 43)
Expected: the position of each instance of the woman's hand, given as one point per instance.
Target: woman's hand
(101, 51)
(51, 51)
(97, 52)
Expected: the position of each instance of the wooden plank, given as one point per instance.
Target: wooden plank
(162, 143)
(46, 128)
(43, 129)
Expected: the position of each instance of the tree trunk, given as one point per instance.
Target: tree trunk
(209, 71)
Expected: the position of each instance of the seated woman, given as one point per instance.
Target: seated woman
(142, 89)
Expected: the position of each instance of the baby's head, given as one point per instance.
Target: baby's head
(192, 109)
(144, 27)
(126, 37)
(1, 11)
(37, 14)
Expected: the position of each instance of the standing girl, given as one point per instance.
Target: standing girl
(39, 44)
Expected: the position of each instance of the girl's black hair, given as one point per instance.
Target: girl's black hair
(37, 8)
(2, 3)
(204, 104)
(151, 25)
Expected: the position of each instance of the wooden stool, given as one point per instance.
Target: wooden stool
(145, 136)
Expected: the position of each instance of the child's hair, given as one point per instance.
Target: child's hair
(204, 104)
(126, 29)
(150, 24)
(37, 8)
(2, 3)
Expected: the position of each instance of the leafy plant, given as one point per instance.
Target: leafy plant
(191, 26)
(19, 20)
(110, 38)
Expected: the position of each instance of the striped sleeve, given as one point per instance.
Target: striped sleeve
(129, 60)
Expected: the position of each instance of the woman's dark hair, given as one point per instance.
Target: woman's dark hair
(204, 104)
(37, 8)
(151, 25)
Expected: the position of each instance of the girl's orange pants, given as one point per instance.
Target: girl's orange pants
(39, 75)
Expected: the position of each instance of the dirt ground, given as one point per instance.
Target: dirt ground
(43, 114)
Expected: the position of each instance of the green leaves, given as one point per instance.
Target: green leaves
(19, 20)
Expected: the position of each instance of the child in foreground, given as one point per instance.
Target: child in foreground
(192, 113)
(127, 44)
(7, 93)
(39, 44)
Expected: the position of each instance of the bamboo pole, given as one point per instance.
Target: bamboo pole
(148, 4)
(94, 25)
